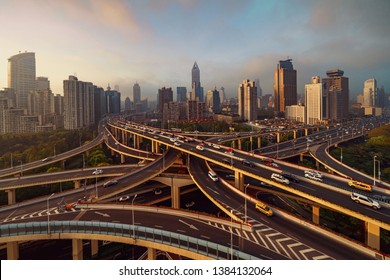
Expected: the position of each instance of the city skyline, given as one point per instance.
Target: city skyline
(155, 43)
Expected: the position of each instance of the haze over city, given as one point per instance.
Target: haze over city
(155, 43)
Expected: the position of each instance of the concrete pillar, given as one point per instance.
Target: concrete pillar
(153, 146)
(295, 134)
(94, 247)
(134, 140)
(11, 196)
(239, 144)
(306, 131)
(316, 214)
(239, 179)
(301, 157)
(123, 158)
(77, 184)
(233, 144)
(12, 250)
(372, 235)
(277, 137)
(123, 137)
(77, 249)
(151, 254)
(175, 196)
(259, 142)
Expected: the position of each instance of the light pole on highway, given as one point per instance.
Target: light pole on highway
(247, 185)
(48, 214)
(341, 155)
(374, 168)
(132, 213)
(96, 189)
(231, 234)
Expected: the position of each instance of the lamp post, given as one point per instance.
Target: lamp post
(54, 149)
(96, 189)
(48, 214)
(247, 185)
(132, 213)
(374, 169)
(341, 155)
(231, 234)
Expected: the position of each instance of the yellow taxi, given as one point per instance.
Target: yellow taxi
(264, 209)
(360, 185)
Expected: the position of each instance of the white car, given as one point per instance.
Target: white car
(199, 147)
(97, 172)
(216, 146)
(313, 177)
(359, 198)
(279, 178)
(177, 144)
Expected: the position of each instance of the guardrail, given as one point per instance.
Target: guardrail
(184, 242)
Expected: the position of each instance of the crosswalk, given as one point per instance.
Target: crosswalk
(51, 211)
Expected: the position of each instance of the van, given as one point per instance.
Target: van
(264, 209)
(359, 198)
(213, 176)
(279, 178)
(360, 185)
(312, 176)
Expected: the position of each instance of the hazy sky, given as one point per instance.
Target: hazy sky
(156, 42)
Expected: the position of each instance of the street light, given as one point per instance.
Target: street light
(132, 210)
(374, 169)
(341, 155)
(245, 202)
(96, 189)
(231, 234)
(48, 214)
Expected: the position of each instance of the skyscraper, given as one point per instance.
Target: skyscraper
(22, 77)
(197, 89)
(213, 103)
(285, 85)
(136, 93)
(78, 103)
(335, 95)
(370, 93)
(113, 101)
(165, 95)
(313, 101)
(181, 94)
(247, 100)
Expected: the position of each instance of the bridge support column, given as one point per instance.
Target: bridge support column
(11, 196)
(306, 131)
(175, 195)
(77, 249)
(372, 235)
(134, 140)
(301, 157)
(233, 144)
(151, 254)
(277, 137)
(123, 158)
(239, 144)
(316, 214)
(94, 247)
(12, 250)
(77, 184)
(259, 142)
(295, 134)
(239, 179)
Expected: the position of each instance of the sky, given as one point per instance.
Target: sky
(156, 42)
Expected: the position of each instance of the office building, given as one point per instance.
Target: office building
(181, 94)
(295, 113)
(197, 89)
(285, 85)
(247, 101)
(164, 96)
(113, 101)
(370, 93)
(213, 103)
(22, 77)
(136, 93)
(335, 95)
(78, 103)
(313, 101)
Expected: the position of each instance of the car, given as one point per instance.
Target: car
(124, 198)
(313, 177)
(110, 183)
(264, 209)
(157, 191)
(216, 146)
(359, 198)
(248, 163)
(291, 177)
(267, 160)
(156, 137)
(360, 185)
(177, 144)
(200, 147)
(46, 159)
(97, 172)
(230, 176)
(313, 172)
(279, 178)
(228, 161)
(213, 176)
(190, 204)
(273, 164)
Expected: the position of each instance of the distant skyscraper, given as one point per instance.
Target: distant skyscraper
(247, 100)
(285, 85)
(127, 105)
(181, 94)
(222, 95)
(78, 103)
(213, 102)
(370, 93)
(22, 77)
(113, 101)
(313, 101)
(43, 83)
(197, 89)
(136, 93)
(165, 95)
(335, 95)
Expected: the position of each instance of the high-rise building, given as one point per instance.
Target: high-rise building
(181, 94)
(370, 93)
(222, 96)
(197, 89)
(213, 103)
(127, 105)
(113, 101)
(78, 103)
(335, 95)
(247, 100)
(285, 85)
(100, 103)
(136, 93)
(22, 77)
(43, 83)
(165, 95)
(313, 101)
